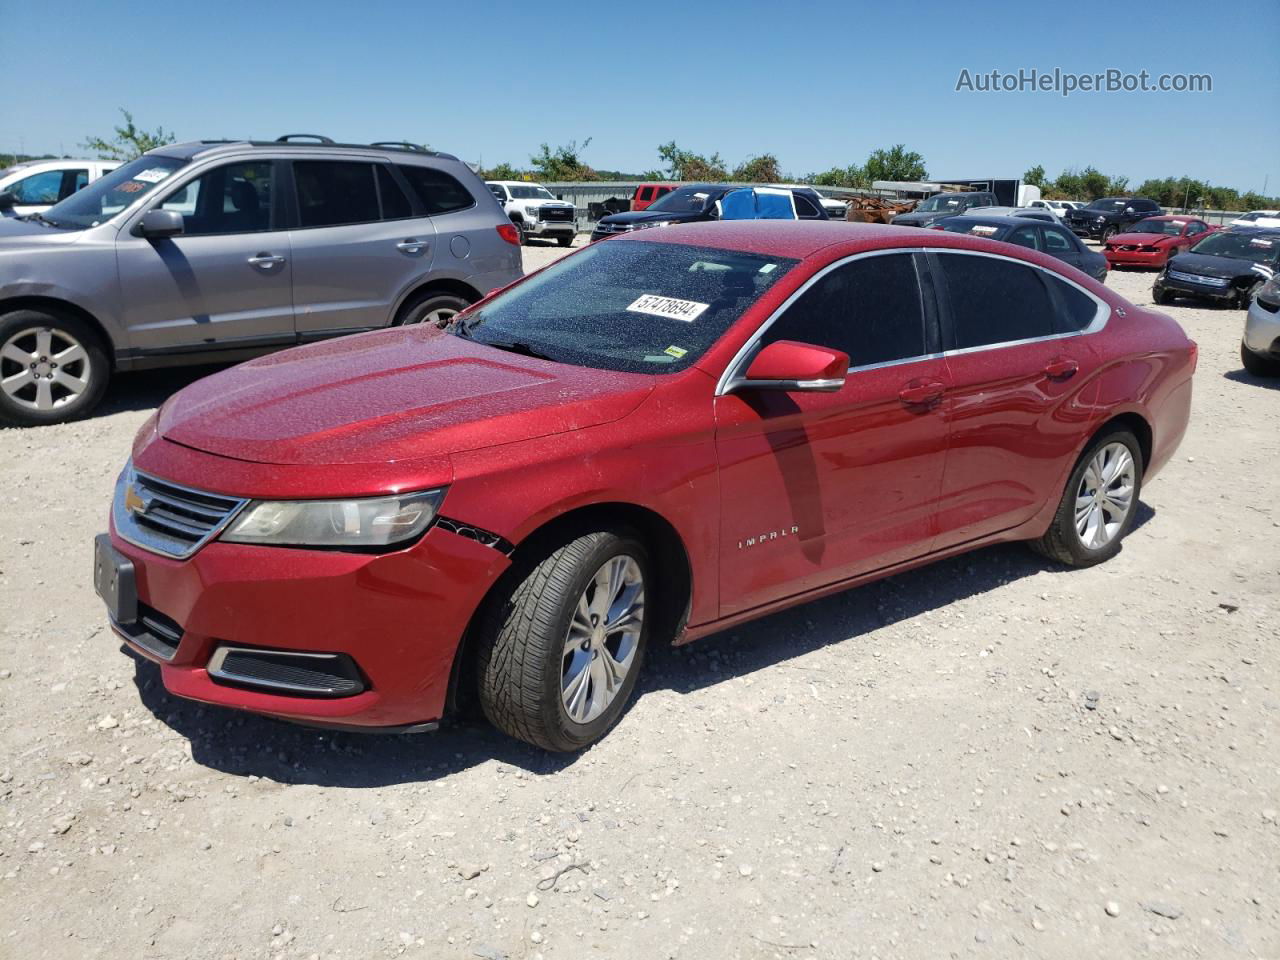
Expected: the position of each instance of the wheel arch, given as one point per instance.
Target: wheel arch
(671, 567)
(57, 305)
(452, 285)
(1137, 424)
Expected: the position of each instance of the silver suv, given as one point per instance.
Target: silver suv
(216, 251)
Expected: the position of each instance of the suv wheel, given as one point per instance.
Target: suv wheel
(1099, 503)
(565, 241)
(431, 307)
(559, 653)
(1245, 295)
(53, 368)
(1162, 296)
(1259, 366)
(1108, 233)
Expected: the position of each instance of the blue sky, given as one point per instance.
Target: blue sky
(819, 85)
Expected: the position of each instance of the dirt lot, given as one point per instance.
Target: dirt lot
(907, 770)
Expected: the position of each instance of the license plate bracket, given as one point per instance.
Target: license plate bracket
(115, 581)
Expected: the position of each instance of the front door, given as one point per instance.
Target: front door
(225, 281)
(820, 487)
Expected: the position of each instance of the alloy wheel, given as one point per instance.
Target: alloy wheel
(441, 317)
(43, 368)
(1105, 496)
(603, 637)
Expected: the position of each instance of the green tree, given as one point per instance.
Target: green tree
(563, 163)
(502, 171)
(850, 176)
(686, 165)
(761, 169)
(129, 141)
(1035, 176)
(895, 163)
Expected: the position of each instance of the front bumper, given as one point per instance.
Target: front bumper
(1136, 258)
(549, 228)
(391, 622)
(1262, 330)
(1090, 231)
(1184, 286)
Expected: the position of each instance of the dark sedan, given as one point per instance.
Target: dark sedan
(696, 203)
(1048, 238)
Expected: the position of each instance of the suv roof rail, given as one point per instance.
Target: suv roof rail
(400, 145)
(290, 137)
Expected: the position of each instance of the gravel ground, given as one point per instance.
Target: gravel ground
(914, 769)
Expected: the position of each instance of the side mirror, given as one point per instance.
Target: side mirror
(160, 223)
(1128, 209)
(791, 366)
(7, 202)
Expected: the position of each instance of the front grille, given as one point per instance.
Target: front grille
(556, 214)
(1196, 278)
(283, 671)
(154, 632)
(167, 518)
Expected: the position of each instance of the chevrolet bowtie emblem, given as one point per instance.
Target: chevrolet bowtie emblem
(134, 502)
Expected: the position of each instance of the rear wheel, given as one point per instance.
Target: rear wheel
(431, 307)
(53, 368)
(565, 241)
(1099, 503)
(1259, 366)
(559, 651)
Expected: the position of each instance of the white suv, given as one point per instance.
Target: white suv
(535, 211)
(36, 185)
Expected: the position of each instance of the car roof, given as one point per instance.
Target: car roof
(1256, 231)
(192, 149)
(516, 183)
(998, 219)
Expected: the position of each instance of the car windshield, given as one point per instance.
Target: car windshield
(109, 194)
(1108, 206)
(966, 225)
(1240, 246)
(624, 305)
(531, 192)
(940, 202)
(684, 200)
(1170, 228)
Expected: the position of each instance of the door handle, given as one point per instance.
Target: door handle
(266, 260)
(922, 392)
(1063, 368)
(412, 246)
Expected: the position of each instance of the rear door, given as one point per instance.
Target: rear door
(226, 280)
(1015, 362)
(360, 241)
(820, 487)
(1062, 244)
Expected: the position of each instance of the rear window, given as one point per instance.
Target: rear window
(626, 305)
(438, 192)
(994, 301)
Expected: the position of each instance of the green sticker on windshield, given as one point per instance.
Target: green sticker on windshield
(676, 352)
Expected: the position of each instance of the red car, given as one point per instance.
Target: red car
(649, 441)
(1151, 242)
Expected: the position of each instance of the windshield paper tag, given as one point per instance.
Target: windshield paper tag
(1252, 243)
(669, 307)
(154, 175)
(676, 352)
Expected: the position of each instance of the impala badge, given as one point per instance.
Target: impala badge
(770, 535)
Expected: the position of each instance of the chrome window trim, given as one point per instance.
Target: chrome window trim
(732, 377)
(118, 510)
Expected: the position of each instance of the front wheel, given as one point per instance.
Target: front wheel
(1108, 233)
(1161, 296)
(53, 368)
(1259, 366)
(559, 649)
(565, 241)
(1246, 294)
(1099, 503)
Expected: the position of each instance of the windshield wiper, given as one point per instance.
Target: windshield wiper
(524, 349)
(43, 219)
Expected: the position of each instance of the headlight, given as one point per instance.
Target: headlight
(646, 224)
(531, 209)
(1101, 219)
(378, 522)
(1270, 290)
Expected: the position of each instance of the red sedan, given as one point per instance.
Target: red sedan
(651, 440)
(1151, 242)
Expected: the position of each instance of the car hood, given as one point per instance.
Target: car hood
(1142, 239)
(24, 234)
(393, 395)
(638, 216)
(917, 217)
(1207, 265)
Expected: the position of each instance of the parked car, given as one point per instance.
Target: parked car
(534, 209)
(1151, 242)
(1104, 218)
(1260, 346)
(1058, 208)
(654, 439)
(694, 203)
(35, 186)
(941, 205)
(217, 251)
(1226, 266)
(1257, 218)
(645, 194)
(1028, 213)
(836, 209)
(1051, 239)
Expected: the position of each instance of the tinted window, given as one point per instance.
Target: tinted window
(334, 192)
(38, 188)
(1144, 205)
(395, 205)
(805, 208)
(1196, 228)
(498, 192)
(869, 308)
(645, 193)
(1058, 241)
(994, 301)
(231, 199)
(1076, 310)
(439, 192)
(1024, 237)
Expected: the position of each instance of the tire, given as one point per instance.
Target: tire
(1259, 366)
(1162, 297)
(519, 225)
(1246, 294)
(65, 363)
(431, 307)
(565, 241)
(1108, 233)
(523, 656)
(1063, 540)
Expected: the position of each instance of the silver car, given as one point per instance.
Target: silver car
(217, 251)
(1260, 346)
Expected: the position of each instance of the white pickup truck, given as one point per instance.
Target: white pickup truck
(535, 211)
